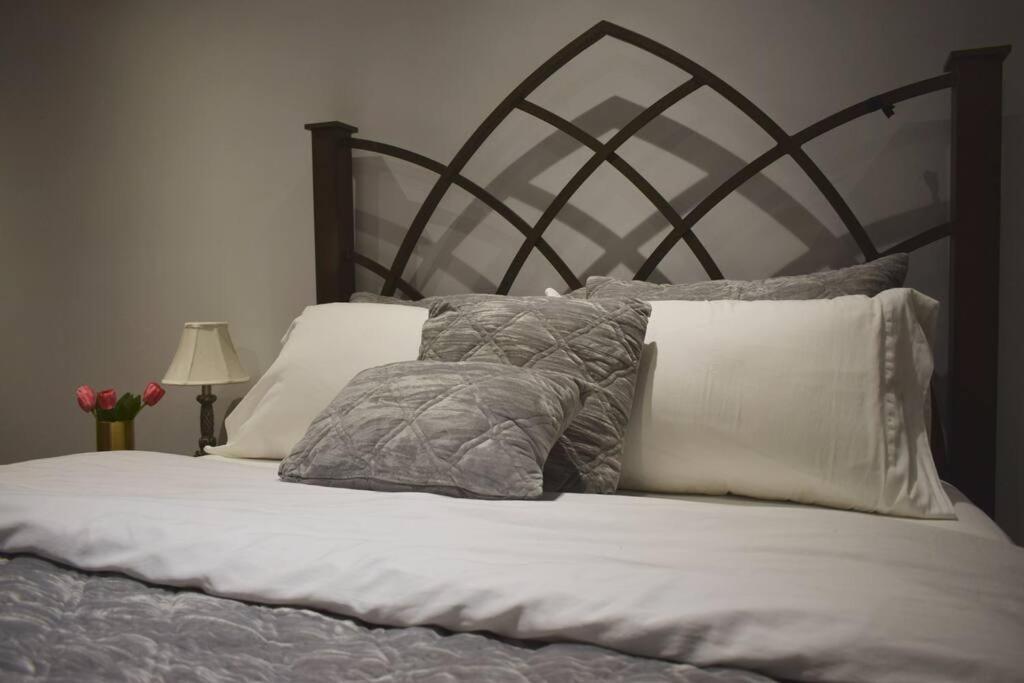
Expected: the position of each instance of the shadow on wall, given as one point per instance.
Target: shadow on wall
(821, 247)
(222, 432)
(518, 185)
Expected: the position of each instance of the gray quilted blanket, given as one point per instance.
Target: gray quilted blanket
(59, 624)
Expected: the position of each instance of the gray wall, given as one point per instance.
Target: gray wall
(154, 169)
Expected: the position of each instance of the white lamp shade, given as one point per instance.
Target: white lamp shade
(205, 356)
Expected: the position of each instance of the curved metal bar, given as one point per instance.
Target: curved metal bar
(602, 153)
(769, 157)
(682, 228)
(630, 173)
(379, 269)
(921, 240)
(873, 104)
(469, 148)
(758, 116)
(882, 102)
(846, 215)
(702, 208)
(477, 191)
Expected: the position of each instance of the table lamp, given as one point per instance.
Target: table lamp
(205, 357)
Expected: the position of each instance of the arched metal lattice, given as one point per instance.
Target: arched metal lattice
(681, 225)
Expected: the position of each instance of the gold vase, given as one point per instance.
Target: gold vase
(115, 436)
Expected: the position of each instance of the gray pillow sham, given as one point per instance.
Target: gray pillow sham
(472, 430)
(868, 279)
(427, 302)
(580, 293)
(600, 342)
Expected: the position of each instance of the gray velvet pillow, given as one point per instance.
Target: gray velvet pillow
(599, 341)
(580, 293)
(868, 279)
(426, 302)
(472, 430)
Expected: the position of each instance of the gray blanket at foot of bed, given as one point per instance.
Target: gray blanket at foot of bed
(58, 624)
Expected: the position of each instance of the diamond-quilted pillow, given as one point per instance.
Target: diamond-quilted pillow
(472, 430)
(598, 341)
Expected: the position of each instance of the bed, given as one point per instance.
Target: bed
(152, 566)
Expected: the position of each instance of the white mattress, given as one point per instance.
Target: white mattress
(969, 517)
(794, 592)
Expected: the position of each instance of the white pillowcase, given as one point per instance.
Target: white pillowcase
(323, 349)
(823, 402)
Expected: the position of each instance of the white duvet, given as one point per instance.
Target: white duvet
(793, 592)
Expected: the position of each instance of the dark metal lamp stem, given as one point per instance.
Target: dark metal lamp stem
(206, 437)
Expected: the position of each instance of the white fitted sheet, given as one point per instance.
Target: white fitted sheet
(791, 591)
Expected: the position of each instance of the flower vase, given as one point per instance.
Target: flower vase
(115, 436)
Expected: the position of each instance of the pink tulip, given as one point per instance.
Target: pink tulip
(152, 394)
(107, 399)
(86, 398)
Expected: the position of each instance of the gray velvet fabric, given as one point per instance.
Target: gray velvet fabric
(580, 293)
(598, 341)
(472, 430)
(59, 625)
(868, 279)
(427, 302)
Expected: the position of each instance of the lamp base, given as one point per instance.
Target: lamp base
(206, 399)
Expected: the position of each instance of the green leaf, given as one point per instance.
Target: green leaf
(122, 410)
(136, 406)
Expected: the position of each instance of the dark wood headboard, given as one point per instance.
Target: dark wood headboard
(974, 80)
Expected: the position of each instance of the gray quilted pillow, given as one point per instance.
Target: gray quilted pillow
(472, 430)
(868, 279)
(600, 342)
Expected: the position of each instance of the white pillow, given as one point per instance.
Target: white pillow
(823, 402)
(323, 349)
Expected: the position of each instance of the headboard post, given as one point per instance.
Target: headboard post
(333, 218)
(974, 268)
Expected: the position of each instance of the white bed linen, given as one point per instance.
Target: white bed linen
(323, 349)
(969, 518)
(822, 402)
(793, 592)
